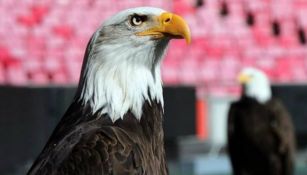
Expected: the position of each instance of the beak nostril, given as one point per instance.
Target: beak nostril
(167, 20)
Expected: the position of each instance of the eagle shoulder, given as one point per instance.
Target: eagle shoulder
(282, 125)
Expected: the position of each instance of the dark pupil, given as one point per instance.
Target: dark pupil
(138, 19)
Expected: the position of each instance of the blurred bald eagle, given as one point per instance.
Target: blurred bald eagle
(260, 130)
(114, 125)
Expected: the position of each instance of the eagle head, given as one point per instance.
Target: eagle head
(256, 84)
(121, 68)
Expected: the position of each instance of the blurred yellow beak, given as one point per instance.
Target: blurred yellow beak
(170, 25)
(242, 78)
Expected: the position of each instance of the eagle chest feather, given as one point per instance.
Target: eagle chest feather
(128, 146)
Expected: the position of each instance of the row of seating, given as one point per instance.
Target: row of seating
(182, 70)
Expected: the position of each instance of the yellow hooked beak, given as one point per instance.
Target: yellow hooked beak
(169, 25)
(243, 79)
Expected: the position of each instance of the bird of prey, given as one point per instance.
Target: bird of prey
(260, 131)
(114, 124)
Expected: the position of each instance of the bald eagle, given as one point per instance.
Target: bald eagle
(114, 124)
(260, 130)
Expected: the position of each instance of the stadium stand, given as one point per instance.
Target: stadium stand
(42, 42)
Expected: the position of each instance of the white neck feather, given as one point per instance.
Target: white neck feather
(260, 90)
(118, 79)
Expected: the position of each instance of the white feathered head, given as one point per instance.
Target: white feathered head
(121, 66)
(256, 84)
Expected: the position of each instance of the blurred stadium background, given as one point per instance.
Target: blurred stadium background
(42, 43)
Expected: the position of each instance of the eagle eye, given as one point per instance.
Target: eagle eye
(137, 20)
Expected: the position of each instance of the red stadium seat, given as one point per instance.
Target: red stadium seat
(39, 78)
(73, 71)
(2, 74)
(170, 71)
(189, 71)
(15, 74)
(59, 78)
(64, 31)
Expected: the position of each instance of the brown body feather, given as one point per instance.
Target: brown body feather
(260, 138)
(85, 143)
